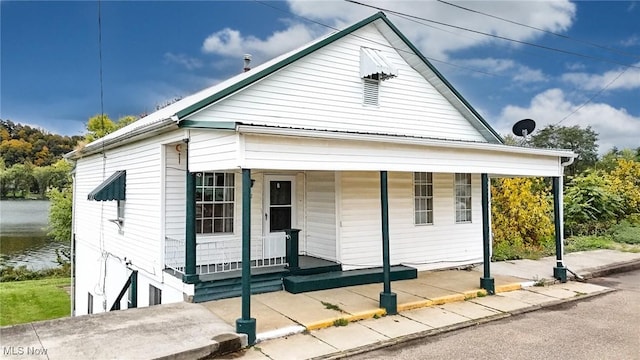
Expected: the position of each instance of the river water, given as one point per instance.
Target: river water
(23, 234)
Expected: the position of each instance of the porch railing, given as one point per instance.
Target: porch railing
(223, 255)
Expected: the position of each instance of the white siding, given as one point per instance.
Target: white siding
(287, 152)
(101, 248)
(213, 150)
(320, 217)
(444, 243)
(327, 91)
(175, 191)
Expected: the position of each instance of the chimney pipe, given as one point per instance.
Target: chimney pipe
(247, 60)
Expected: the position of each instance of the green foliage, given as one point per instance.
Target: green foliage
(60, 212)
(35, 300)
(341, 322)
(21, 273)
(101, 125)
(590, 205)
(627, 232)
(522, 214)
(589, 242)
(624, 179)
(21, 144)
(582, 141)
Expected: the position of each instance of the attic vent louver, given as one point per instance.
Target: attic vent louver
(370, 92)
(373, 65)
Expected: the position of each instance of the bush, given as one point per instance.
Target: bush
(21, 273)
(584, 243)
(626, 232)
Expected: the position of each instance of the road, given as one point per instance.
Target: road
(602, 327)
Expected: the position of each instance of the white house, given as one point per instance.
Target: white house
(331, 139)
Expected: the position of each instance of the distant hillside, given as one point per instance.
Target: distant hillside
(23, 144)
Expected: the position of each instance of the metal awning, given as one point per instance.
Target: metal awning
(373, 65)
(111, 189)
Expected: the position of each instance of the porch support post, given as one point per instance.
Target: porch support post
(134, 289)
(388, 300)
(292, 249)
(190, 276)
(559, 271)
(486, 281)
(246, 324)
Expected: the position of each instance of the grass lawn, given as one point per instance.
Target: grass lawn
(33, 300)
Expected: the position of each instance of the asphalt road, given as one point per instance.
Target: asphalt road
(601, 327)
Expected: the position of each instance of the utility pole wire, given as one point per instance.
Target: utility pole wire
(401, 14)
(618, 51)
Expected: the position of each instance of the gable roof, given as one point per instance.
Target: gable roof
(178, 112)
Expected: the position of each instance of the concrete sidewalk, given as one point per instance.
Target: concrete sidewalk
(301, 326)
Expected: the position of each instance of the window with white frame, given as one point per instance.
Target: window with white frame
(423, 198)
(155, 295)
(215, 199)
(463, 198)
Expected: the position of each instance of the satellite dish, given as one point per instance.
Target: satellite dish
(524, 127)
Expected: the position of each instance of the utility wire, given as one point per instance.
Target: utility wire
(549, 48)
(380, 43)
(590, 43)
(593, 96)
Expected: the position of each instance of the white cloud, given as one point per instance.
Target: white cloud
(628, 80)
(189, 63)
(439, 41)
(519, 73)
(435, 41)
(616, 127)
(632, 40)
(231, 43)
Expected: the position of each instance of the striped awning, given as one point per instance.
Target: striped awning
(114, 188)
(373, 65)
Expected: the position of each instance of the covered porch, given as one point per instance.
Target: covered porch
(283, 153)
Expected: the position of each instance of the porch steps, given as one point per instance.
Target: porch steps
(232, 287)
(302, 283)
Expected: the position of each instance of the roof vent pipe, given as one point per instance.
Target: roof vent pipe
(247, 60)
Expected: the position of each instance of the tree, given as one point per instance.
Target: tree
(43, 176)
(19, 179)
(624, 180)
(582, 141)
(15, 151)
(60, 213)
(101, 125)
(521, 218)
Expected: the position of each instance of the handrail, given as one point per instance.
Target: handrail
(131, 282)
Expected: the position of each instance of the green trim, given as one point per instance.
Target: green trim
(113, 188)
(246, 244)
(134, 289)
(190, 275)
(486, 281)
(559, 271)
(439, 75)
(277, 66)
(198, 124)
(330, 39)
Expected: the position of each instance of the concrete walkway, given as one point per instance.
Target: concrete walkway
(301, 326)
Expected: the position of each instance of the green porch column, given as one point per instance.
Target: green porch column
(559, 271)
(486, 281)
(246, 324)
(388, 300)
(190, 276)
(134, 289)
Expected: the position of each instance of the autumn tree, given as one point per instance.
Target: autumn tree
(521, 216)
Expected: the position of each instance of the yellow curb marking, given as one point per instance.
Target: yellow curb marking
(415, 305)
(508, 287)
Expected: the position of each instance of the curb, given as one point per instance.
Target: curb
(615, 268)
(368, 314)
(433, 332)
(221, 344)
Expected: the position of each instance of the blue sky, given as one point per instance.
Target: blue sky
(154, 51)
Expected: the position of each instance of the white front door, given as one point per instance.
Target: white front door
(279, 213)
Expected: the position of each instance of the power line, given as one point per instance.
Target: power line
(566, 37)
(593, 96)
(549, 48)
(380, 43)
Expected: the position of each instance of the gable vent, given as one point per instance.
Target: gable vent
(370, 92)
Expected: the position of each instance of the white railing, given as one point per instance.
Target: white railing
(223, 255)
